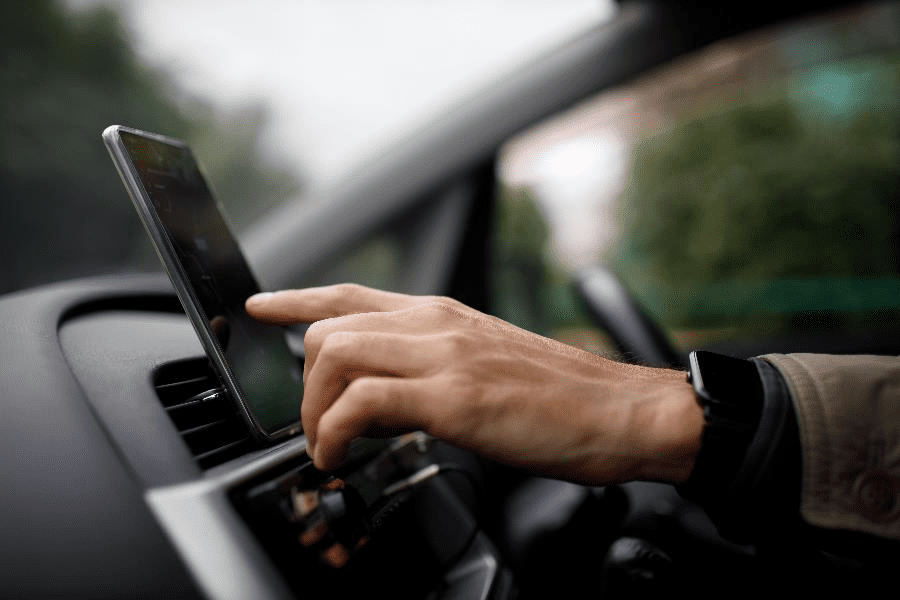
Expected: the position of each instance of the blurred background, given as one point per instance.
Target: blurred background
(278, 98)
(744, 191)
(747, 194)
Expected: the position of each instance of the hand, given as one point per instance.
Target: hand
(379, 363)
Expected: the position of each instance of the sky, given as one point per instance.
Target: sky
(343, 78)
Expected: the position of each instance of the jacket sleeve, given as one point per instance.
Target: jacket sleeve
(847, 411)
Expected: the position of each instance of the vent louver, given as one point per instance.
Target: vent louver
(202, 411)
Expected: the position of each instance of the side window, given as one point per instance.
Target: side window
(531, 286)
(748, 195)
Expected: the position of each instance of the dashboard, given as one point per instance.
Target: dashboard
(126, 472)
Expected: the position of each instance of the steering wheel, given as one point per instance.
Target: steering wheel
(615, 310)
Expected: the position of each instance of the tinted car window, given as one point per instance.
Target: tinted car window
(747, 192)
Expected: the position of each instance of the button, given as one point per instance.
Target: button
(876, 493)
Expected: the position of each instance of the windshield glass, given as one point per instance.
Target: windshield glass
(276, 98)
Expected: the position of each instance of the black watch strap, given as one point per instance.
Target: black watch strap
(731, 394)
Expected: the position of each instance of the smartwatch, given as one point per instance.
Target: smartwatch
(730, 392)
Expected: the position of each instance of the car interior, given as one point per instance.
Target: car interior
(128, 471)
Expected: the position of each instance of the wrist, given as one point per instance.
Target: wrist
(674, 427)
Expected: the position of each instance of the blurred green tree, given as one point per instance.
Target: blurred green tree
(781, 186)
(65, 77)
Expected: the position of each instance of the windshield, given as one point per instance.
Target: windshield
(277, 98)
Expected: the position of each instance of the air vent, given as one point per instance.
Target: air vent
(203, 412)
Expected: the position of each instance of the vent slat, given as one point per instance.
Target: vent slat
(202, 412)
(223, 453)
(203, 428)
(204, 398)
(179, 384)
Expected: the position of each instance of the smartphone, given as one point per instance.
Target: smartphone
(211, 277)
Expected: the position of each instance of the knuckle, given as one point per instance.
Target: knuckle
(319, 332)
(362, 390)
(431, 305)
(452, 302)
(336, 345)
(308, 416)
(348, 290)
(434, 309)
(457, 343)
(444, 301)
(365, 395)
(315, 334)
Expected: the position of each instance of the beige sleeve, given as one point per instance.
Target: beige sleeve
(848, 412)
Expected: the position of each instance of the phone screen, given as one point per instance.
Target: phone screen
(254, 360)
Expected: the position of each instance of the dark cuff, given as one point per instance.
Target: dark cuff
(762, 496)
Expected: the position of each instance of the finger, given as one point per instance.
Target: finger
(348, 355)
(288, 307)
(419, 320)
(367, 406)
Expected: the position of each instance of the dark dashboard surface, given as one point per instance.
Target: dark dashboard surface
(74, 515)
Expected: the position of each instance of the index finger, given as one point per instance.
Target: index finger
(288, 307)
